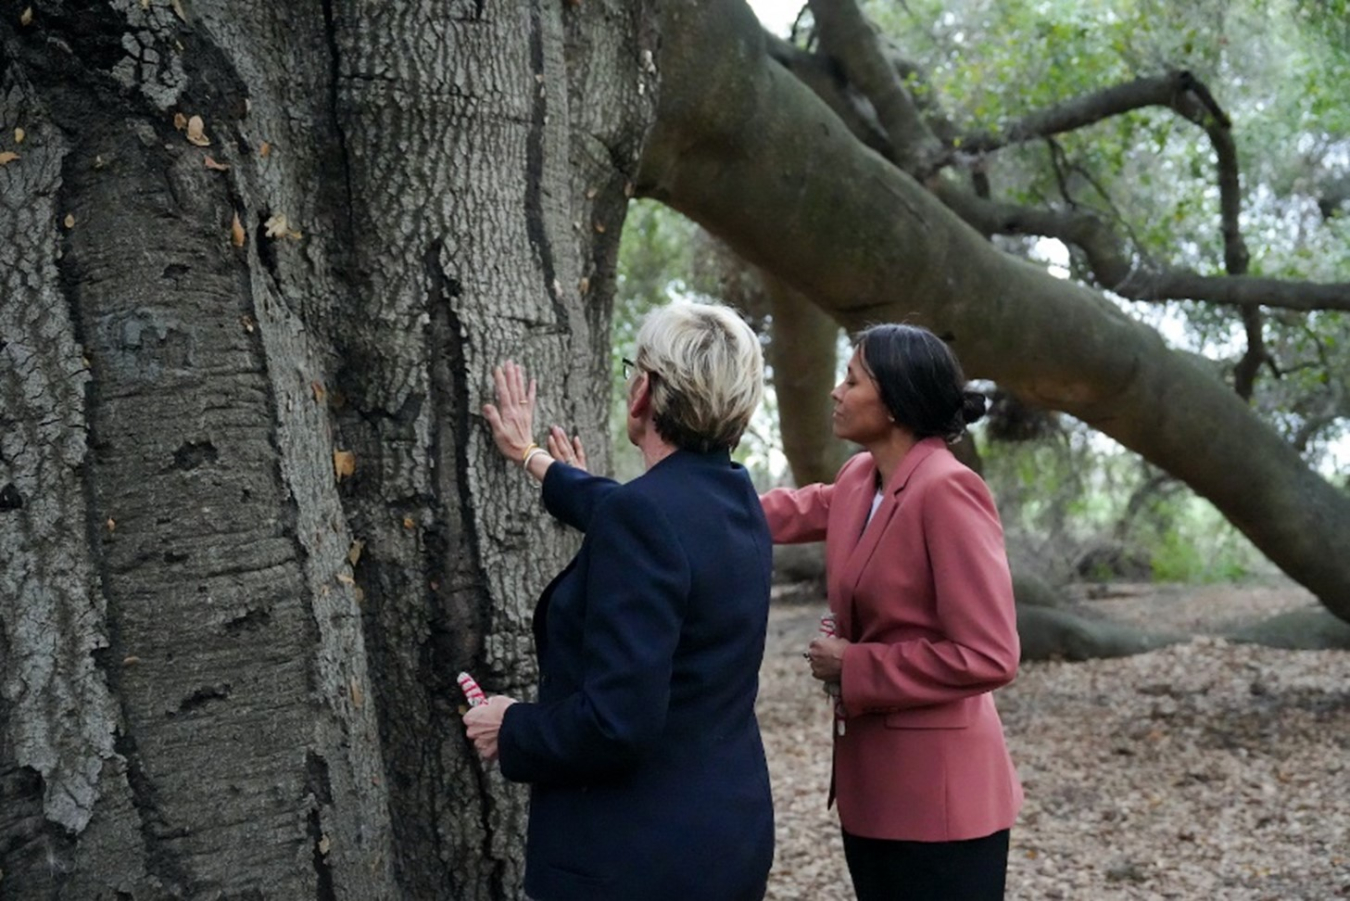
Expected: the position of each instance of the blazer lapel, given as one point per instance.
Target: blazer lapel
(855, 563)
(848, 513)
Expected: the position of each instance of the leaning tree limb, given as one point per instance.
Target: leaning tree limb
(1116, 267)
(752, 154)
(850, 39)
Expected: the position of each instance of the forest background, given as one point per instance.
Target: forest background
(1078, 504)
(258, 259)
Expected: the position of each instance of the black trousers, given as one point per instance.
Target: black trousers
(972, 870)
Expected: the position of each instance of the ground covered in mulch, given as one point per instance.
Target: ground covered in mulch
(1206, 770)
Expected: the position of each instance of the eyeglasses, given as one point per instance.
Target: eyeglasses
(629, 367)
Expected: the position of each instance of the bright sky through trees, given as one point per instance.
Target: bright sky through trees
(777, 15)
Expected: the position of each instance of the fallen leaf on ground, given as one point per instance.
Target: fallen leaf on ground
(8, 157)
(237, 235)
(211, 163)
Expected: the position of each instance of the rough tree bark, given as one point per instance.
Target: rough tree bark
(226, 662)
(751, 153)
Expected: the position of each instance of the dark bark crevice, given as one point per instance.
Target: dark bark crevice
(319, 788)
(344, 217)
(38, 853)
(535, 225)
(451, 626)
(161, 859)
(460, 607)
(452, 558)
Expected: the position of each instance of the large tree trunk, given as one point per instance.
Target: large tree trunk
(749, 152)
(803, 353)
(225, 671)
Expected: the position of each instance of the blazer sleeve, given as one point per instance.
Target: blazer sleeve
(978, 649)
(637, 585)
(797, 515)
(571, 495)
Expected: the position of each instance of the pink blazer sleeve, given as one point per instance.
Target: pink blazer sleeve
(797, 515)
(977, 647)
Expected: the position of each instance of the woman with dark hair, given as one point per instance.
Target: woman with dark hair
(925, 627)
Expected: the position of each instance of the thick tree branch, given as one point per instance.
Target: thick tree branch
(1169, 90)
(764, 164)
(823, 76)
(1114, 262)
(1118, 269)
(852, 41)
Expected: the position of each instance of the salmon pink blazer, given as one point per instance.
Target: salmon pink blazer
(923, 593)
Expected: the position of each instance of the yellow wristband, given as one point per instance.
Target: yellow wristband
(525, 454)
(530, 456)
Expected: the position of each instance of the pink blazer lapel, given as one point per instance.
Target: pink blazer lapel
(864, 545)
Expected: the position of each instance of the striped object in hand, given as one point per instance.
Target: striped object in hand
(471, 690)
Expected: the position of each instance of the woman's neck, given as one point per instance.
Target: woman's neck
(654, 449)
(889, 451)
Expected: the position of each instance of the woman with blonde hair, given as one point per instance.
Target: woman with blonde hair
(647, 771)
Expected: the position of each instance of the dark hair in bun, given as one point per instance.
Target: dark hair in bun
(920, 380)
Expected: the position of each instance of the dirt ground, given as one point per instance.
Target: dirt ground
(1207, 770)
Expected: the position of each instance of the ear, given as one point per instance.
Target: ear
(640, 397)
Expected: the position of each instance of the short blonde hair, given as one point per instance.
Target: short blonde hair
(707, 374)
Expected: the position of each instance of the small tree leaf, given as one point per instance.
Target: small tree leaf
(237, 235)
(344, 464)
(276, 225)
(8, 157)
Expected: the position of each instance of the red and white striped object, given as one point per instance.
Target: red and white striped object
(471, 690)
(827, 626)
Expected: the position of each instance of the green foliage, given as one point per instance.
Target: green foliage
(1061, 498)
(1279, 69)
(1200, 547)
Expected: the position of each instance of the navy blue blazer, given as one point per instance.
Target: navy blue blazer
(643, 752)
